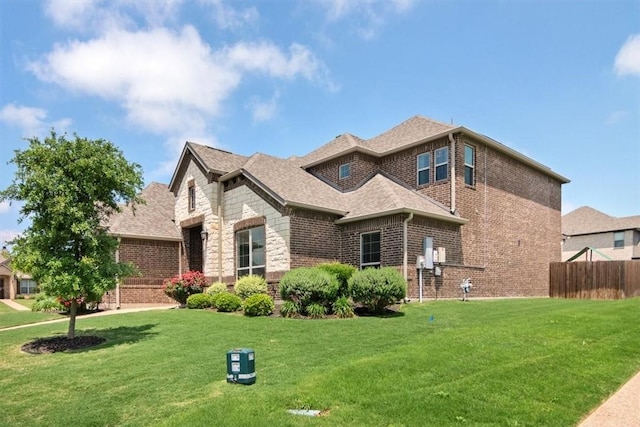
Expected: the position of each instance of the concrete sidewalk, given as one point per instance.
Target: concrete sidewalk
(14, 305)
(86, 316)
(622, 409)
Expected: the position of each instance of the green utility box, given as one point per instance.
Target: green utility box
(241, 366)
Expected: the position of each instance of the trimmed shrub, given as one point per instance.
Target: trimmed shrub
(316, 311)
(216, 288)
(343, 308)
(180, 287)
(290, 309)
(258, 305)
(306, 286)
(45, 302)
(250, 285)
(199, 301)
(227, 302)
(377, 288)
(342, 272)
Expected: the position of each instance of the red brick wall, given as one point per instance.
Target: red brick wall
(362, 167)
(314, 238)
(156, 260)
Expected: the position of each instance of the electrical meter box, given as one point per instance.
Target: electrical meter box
(241, 366)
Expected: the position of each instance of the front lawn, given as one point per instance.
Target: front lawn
(10, 317)
(504, 362)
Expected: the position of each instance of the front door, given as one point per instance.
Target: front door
(193, 246)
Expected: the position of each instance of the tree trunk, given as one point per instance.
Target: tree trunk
(73, 310)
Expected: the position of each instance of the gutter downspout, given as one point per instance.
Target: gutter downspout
(118, 281)
(453, 173)
(220, 229)
(404, 245)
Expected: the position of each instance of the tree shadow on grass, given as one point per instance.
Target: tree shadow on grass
(90, 339)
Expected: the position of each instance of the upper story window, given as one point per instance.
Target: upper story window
(192, 195)
(442, 163)
(250, 252)
(618, 239)
(469, 164)
(370, 250)
(345, 171)
(423, 162)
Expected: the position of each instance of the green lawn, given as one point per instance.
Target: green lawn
(504, 362)
(10, 317)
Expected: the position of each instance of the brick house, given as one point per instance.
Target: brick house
(606, 237)
(491, 212)
(14, 283)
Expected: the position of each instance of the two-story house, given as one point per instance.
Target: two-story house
(492, 213)
(604, 237)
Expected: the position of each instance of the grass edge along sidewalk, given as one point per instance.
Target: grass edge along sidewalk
(513, 362)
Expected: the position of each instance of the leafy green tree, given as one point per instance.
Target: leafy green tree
(69, 188)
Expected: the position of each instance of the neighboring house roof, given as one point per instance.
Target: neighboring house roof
(152, 220)
(586, 220)
(381, 195)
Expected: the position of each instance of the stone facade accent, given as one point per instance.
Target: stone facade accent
(243, 203)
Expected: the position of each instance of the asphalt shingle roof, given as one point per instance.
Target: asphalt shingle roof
(586, 220)
(154, 219)
(293, 185)
(217, 160)
(415, 129)
(382, 196)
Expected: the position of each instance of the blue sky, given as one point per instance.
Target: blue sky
(558, 81)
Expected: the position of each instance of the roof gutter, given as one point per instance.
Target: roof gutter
(444, 218)
(315, 208)
(146, 237)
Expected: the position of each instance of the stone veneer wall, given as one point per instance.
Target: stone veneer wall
(242, 203)
(206, 207)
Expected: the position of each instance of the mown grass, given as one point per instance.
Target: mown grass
(10, 317)
(509, 362)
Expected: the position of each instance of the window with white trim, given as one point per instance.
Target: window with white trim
(423, 163)
(442, 163)
(250, 252)
(618, 239)
(370, 250)
(345, 171)
(469, 164)
(27, 286)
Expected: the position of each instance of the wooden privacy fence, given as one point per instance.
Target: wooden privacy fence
(594, 280)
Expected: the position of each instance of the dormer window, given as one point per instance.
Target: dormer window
(192, 195)
(345, 171)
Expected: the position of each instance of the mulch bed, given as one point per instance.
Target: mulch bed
(61, 343)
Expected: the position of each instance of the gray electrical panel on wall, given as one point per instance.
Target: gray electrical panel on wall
(427, 250)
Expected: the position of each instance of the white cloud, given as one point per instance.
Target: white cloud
(616, 117)
(262, 110)
(367, 17)
(98, 16)
(170, 83)
(227, 17)
(4, 206)
(30, 120)
(627, 60)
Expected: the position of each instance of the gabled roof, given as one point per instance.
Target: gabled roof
(289, 184)
(209, 159)
(152, 220)
(381, 196)
(586, 220)
(415, 131)
(417, 128)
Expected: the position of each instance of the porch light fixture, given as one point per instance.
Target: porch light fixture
(204, 234)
